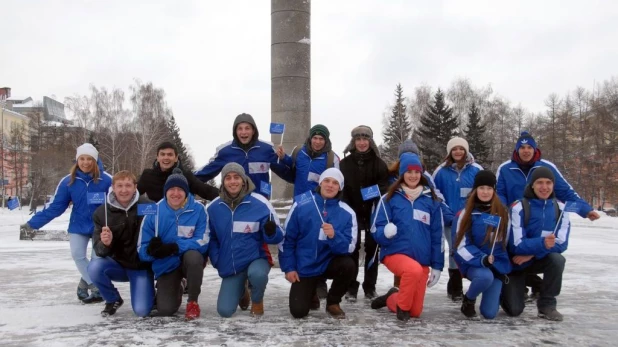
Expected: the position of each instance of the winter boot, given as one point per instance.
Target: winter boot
(315, 302)
(455, 285)
(403, 315)
(245, 299)
(371, 294)
(467, 307)
(257, 309)
(380, 301)
(94, 296)
(352, 294)
(193, 310)
(112, 307)
(550, 314)
(335, 311)
(82, 290)
(322, 289)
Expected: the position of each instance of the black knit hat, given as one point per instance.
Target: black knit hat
(484, 178)
(176, 179)
(542, 172)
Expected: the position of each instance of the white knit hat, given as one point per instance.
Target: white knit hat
(332, 173)
(87, 149)
(457, 141)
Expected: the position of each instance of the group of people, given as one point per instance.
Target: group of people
(154, 230)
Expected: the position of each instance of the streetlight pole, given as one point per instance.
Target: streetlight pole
(2, 105)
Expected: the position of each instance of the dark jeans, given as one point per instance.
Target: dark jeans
(169, 290)
(371, 274)
(513, 300)
(340, 270)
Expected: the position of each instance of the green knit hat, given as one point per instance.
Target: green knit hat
(319, 129)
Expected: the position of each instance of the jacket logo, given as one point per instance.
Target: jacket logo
(248, 229)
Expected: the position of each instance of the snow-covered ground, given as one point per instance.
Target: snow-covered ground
(38, 306)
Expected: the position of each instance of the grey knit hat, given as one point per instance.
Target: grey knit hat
(542, 172)
(408, 146)
(233, 167)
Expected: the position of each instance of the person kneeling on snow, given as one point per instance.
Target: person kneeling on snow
(241, 223)
(408, 226)
(481, 253)
(320, 236)
(537, 237)
(116, 229)
(174, 241)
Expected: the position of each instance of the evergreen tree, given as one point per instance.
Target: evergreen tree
(475, 135)
(398, 129)
(438, 126)
(183, 153)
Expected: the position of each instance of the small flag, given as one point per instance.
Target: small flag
(146, 209)
(370, 192)
(96, 198)
(303, 198)
(277, 128)
(13, 203)
(490, 219)
(571, 206)
(265, 188)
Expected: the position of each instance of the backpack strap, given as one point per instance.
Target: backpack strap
(295, 155)
(556, 210)
(525, 204)
(330, 159)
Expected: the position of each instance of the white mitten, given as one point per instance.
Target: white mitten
(433, 278)
(390, 230)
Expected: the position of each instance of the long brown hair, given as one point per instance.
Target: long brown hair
(448, 160)
(423, 181)
(96, 174)
(496, 209)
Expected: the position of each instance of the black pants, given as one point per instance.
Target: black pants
(552, 267)
(340, 270)
(169, 290)
(371, 273)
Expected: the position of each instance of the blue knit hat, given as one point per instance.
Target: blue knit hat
(525, 139)
(409, 161)
(176, 179)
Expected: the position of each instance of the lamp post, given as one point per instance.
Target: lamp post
(2, 105)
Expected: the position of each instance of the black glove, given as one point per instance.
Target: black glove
(154, 245)
(270, 228)
(165, 250)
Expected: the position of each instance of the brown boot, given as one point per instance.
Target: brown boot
(315, 302)
(335, 311)
(396, 281)
(257, 309)
(245, 299)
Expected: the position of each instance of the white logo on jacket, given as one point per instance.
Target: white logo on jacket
(259, 167)
(186, 231)
(245, 227)
(422, 216)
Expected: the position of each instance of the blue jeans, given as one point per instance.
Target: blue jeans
(79, 246)
(105, 270)
(233, 287)
(483, 281)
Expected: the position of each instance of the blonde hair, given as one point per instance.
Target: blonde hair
(96, 174)
(124, 174)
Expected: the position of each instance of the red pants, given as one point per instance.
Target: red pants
(411, 295)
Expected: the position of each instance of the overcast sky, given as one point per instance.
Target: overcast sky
(213, 57)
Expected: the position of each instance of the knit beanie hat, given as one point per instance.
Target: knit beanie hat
(542, 172)
(176, 179)
(87, 149)
(408, 162)
(233, 167)
(319, 129)
(484, 178)
(408, 146)
(525, 139)
(457, 141)
(332, 173)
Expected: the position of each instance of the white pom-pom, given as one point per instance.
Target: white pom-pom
(390, 230)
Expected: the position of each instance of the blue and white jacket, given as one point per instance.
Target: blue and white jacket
(237, 237)
(185, 226)
(512, 181)
(305, 249)
(419, 228)
(455, 184)
(472, 249)
(530, 239)
(257, 162)
(307, 172)
(77, 193)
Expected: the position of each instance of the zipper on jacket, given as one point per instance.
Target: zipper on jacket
(232, 233)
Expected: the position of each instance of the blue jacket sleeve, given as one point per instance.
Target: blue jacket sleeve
(287, 248)
(199, 240)
(447, 214)
(437, 243)
(519, 244)
(565, 192)
(59, 204)
(380, 221)
(282, 168)
(146, 232)
(344, 240)
(213, 244)
(212, 169)
(278, 236)
(501, 189)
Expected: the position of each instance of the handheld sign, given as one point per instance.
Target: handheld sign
(146, 209)
(571, 206)
(370, 192)
(265, 188)
(277, 128)
(306, 198)
(490, 219)
(96, 198)
(13, 203)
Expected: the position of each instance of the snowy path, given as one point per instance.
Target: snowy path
(38, 307)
